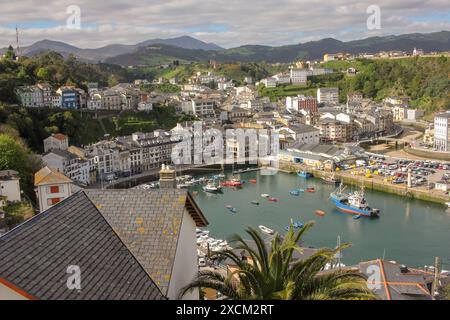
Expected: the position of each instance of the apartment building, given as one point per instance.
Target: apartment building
(302, 102)
(328, 95)
(442, 132)
(30, 96)
(299, 76)
(334, 130)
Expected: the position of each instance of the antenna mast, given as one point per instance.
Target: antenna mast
(17, 42)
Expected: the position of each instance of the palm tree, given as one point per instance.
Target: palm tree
(274, 274)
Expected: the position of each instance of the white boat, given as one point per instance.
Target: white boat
(448, 204)
(265, 195)
(182, 186)
(266, 229)
(211, 188)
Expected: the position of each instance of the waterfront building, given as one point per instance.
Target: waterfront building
(124, 237)
(442, 132)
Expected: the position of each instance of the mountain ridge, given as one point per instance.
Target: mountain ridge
(186, 48)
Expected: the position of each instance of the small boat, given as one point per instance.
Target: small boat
(305, 174)
(266, 230)
(320, 213)
(252, 180)
(310, 190)
(212, 188)
(331, 179)
(231, 183)
(255, 202)
(273, 199)
(448, 204)
(357, 217)
(295, 192)
(228, 206)
(265, 195)
(232, 210)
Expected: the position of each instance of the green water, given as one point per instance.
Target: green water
(408, 231)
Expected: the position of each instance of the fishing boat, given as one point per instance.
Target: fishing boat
(320, 213)
(266, 230)
(265, 195)
(212, 188)
(305, 174)
(331, 179)
(354, 203)
(255, 202)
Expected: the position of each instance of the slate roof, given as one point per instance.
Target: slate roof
(35, 256)
(395, 284)
(148, 222)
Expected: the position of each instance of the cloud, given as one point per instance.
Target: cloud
(225, 22)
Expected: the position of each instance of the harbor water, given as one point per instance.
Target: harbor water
(408, 231)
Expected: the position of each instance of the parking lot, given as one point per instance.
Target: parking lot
(424, 173)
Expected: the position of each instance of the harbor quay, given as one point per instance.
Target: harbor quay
(374, 183)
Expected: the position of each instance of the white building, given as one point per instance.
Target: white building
(9, 185)
(328, 95)
(270, 82)
(56, 141)
(52, 187)
(414, 114)
(299, 76)
(30, 96)
(441, 131)
(69, 164)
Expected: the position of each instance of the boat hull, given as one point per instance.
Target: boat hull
(352, 210)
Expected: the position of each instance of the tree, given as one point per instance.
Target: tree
(9, 54)
(274, 274)
(15, 156)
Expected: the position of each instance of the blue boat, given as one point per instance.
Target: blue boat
(294, 192)
(305, 174)
(354, 203)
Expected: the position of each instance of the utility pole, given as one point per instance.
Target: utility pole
(437, 272)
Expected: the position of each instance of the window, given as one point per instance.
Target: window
(53, 201)
(54, 189)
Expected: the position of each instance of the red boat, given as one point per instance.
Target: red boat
(253, 180)
(231, 183)
(311, 190)
(273, 199)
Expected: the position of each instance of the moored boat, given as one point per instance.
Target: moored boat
(266, 229)
(305, 174)
(265, 195)
(255, 202)
(354, 203)
(272, 199)
(331, 179)
(212, 188)
(320, 213)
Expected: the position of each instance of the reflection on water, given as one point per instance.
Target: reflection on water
(410, 231)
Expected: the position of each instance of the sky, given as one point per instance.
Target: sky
(228, 23)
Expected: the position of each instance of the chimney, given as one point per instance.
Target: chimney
(167, 178)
